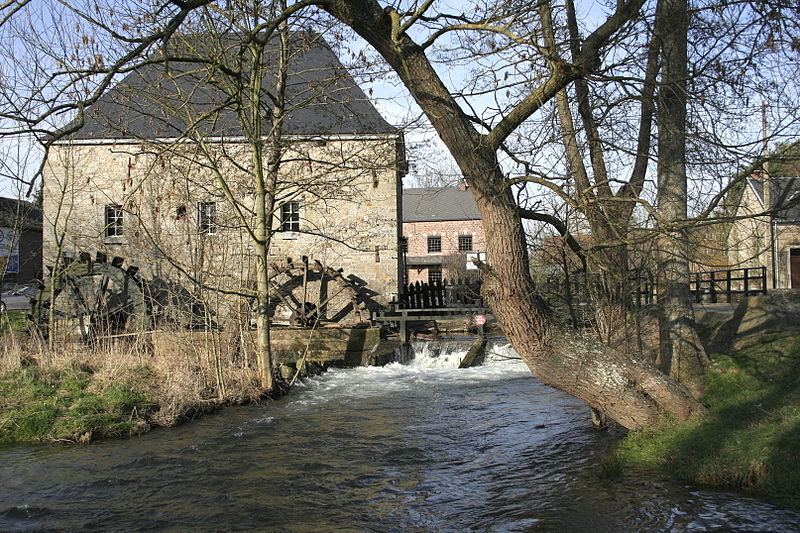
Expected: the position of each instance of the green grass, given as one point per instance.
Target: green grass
(750, 440)
(13, 321)
(68, 405)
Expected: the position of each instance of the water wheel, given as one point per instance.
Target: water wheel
(93, 298)
(306, 293)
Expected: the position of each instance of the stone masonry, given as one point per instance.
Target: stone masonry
(346, 189)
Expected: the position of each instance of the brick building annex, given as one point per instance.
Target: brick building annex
(443, 231)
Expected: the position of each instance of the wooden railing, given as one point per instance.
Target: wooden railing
(584, 288)
(712, 285)
(440, 294)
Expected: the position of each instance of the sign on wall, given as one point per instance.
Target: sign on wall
(480, 256)
(9, 251)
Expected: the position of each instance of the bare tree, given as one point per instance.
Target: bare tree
(220, 135)
(682, 355)
(628, 390)
(509, 42)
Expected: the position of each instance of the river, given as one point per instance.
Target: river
(422, 447)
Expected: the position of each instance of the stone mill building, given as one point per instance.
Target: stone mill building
(162, 171)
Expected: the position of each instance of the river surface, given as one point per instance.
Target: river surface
(422, 447)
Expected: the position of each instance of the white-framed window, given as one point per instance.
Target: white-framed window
(113, 218)
(465, 243)
(434, 244)
(290, 216)
(207, 218)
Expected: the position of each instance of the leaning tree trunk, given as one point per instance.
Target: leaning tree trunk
(624, 388)
(682, 355)
(631, 392)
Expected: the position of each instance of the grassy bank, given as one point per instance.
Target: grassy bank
(78, 394)
(750, 440)
(69, 405)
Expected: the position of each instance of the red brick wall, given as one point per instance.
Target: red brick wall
(417, 234)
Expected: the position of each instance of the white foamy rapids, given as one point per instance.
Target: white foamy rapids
(450, 353)
(438, 354)
(435, 363)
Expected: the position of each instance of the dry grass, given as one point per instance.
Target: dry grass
(184, 377)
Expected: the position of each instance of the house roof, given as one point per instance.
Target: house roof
(18, 214)
(438, 203)
(784, 196)
(165, 99)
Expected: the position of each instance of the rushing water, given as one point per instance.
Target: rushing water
(419, 447)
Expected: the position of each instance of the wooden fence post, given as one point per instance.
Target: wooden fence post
(728, 285)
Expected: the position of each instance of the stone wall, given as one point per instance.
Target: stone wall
(752, 242)
(787, 238)
(347, 190)
(749, 238)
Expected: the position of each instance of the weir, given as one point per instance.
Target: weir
(421, 303)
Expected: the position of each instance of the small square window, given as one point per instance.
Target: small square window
(434, 244)
(434, 274)
(207, 218)
(180, 212)
(465, 243)
(113, 221)
(290, 216)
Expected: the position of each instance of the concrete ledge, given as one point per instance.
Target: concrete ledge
(344, 346)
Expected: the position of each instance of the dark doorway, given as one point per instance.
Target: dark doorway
(794, 267)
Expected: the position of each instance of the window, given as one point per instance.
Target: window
(290, 216)
(180, 212)
(207, 218)
(434, 274)
(465, 243)
(434, 244)
(113, 221)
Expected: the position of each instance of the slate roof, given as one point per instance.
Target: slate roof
(429, 204)
(784, 193)
(163, 99)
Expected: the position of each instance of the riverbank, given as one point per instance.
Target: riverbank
(750, 440)
(80, 394)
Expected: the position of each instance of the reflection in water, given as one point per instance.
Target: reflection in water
(423, 447)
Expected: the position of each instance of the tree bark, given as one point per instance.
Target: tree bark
(631, 392)
(681, 355)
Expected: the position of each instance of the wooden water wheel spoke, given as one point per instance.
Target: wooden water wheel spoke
(287, 299)
(327, 300)
(100, 298)
(303, 296)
